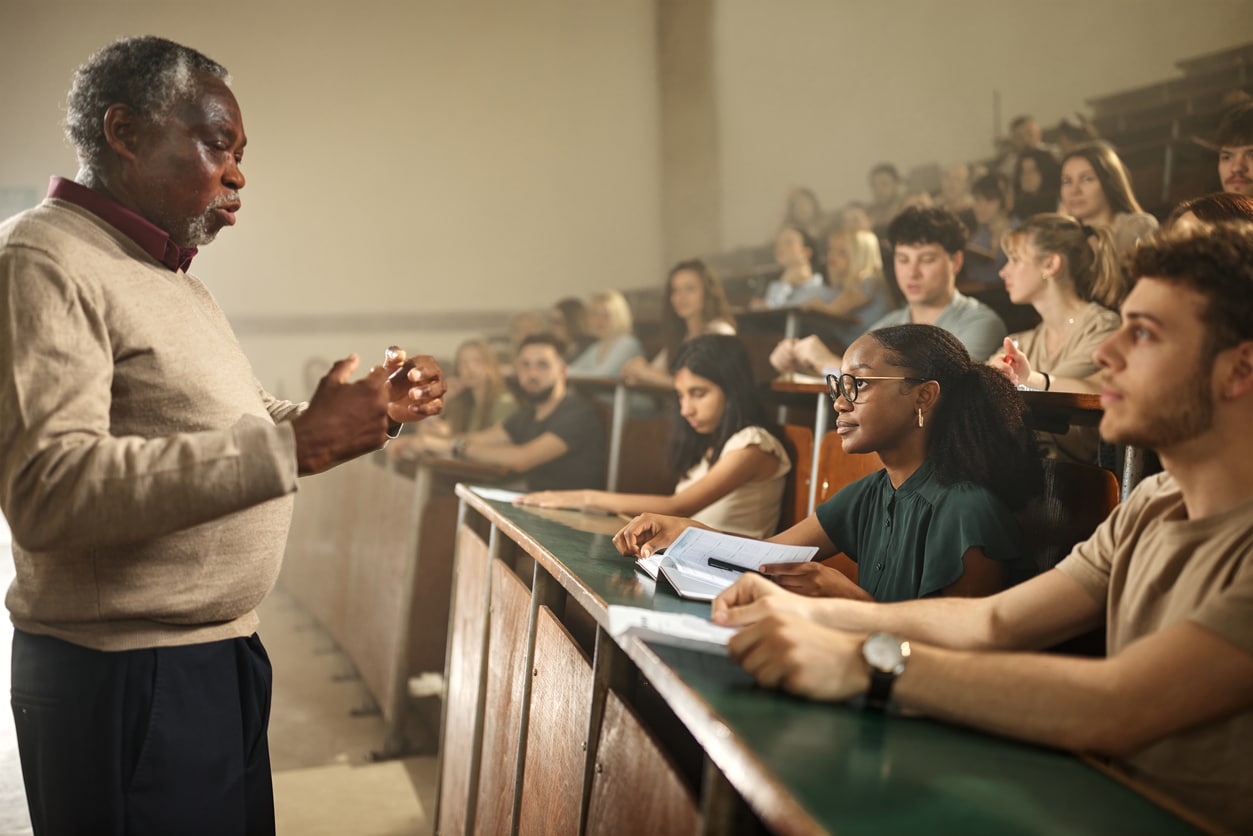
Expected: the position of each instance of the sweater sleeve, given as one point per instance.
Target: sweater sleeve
(66, 481)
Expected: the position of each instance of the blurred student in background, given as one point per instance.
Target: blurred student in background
(731, 465)
(695, 305)
(1073, 281)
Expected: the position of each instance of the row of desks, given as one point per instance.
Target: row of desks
(791, 765)
(1052, 411)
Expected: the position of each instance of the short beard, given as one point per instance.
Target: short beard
(537, 398)
(1194, 416)
(203, 228)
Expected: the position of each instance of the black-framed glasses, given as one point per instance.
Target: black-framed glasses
(847, 385)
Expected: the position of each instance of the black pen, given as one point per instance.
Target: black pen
(731, 567)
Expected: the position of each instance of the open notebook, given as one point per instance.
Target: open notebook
(699, 564)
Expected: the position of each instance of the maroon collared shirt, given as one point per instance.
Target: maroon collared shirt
(154, 240)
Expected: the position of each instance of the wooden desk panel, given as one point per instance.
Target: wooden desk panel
(463, 697)
(556, 751)
(503, 709)
(805, 767)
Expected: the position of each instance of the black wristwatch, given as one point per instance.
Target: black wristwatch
(885, 656)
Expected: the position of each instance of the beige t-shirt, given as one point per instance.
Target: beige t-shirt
(752, 509)
(1154, 568)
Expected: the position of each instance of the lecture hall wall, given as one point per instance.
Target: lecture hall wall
(418, 170)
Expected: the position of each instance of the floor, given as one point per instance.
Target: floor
(320, 743)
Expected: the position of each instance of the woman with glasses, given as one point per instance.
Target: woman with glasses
(730, 464)
(957, 461)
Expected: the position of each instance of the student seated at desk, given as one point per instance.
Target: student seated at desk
(937, 520)
(609, 321)
(855, 273)
(556, 439)
(732, 466)
(928, 248)
(1169, 574)
(1069, 274)
(796, 252)
(696, 305)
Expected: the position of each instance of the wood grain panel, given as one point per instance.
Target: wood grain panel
(561, 699)
(635, 788)
(463, 683)
(502, 716)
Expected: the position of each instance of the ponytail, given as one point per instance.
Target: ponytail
(1089, 256)
(978, 428)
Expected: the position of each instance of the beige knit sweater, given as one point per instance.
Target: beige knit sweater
(142, 471)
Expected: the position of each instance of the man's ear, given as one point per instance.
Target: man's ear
(958, 258)
(1237, 379)
(121, 130)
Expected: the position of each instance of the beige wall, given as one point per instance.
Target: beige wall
(815, 92)
(427, 161)
(410, 158)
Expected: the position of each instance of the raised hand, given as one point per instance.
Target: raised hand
(344, 420)
(416, 386)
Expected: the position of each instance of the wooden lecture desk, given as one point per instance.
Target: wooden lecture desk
(521, 703)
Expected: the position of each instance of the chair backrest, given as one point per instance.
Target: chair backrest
(1077, 498)
(837, 468)
(799, 442)
(643, 465)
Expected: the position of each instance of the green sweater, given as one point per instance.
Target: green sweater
(145, 479)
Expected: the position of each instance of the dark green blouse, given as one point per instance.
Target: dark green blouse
(908, 542)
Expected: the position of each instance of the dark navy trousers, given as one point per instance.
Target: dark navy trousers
(168, 740)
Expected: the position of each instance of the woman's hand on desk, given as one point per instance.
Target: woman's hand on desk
(792, 653)
(649, 532)
(559, 499)
(814, 579)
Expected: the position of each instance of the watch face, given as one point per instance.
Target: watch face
(883, 652)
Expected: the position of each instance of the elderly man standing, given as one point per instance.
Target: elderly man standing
(147, 477)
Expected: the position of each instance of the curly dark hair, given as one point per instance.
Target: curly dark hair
(1216, 262)
(932, 225)
(722, 360)
(978, 428)
(147, 73)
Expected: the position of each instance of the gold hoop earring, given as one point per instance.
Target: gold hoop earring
(920, 416)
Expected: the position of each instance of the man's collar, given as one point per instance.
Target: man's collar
(151, 238)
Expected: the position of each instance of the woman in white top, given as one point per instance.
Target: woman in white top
(1096, 190)
(696, 306)
(732, 465)
(609, 321)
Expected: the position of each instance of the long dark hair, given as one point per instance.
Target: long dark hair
(722, 360)
(714, 307)
(978, 428)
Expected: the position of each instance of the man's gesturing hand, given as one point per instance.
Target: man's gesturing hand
(344, 420)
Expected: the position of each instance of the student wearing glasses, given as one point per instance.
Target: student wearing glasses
(957, 460)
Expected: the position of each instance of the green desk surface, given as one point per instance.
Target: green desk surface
(846, 771)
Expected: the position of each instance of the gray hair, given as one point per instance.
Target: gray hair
(147, 73)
